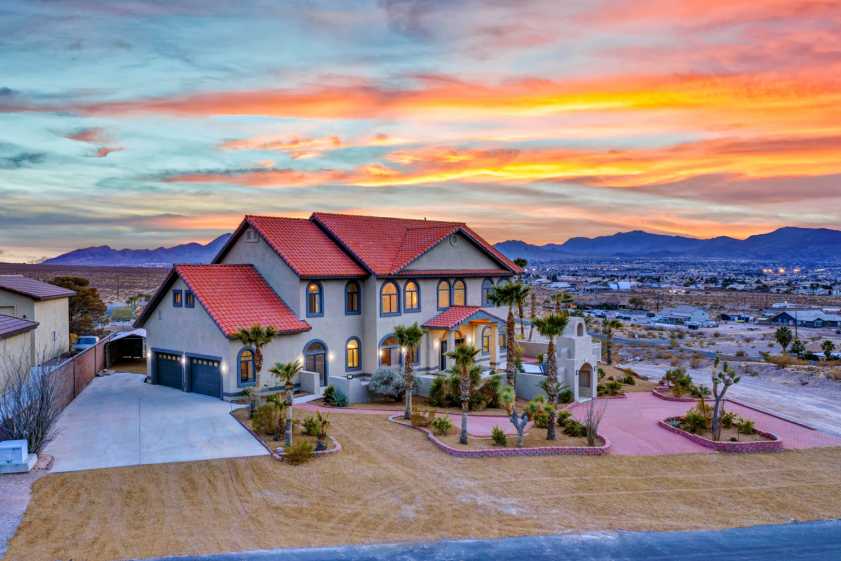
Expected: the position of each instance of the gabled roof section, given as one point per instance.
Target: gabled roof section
(35, 289)
(302, 245)
(11, 326)
(235, 296)
(388, 245)
(454, 316)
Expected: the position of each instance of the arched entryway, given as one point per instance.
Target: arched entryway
(585, 381)
(390, 352)
(315, 359)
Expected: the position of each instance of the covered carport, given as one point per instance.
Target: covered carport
(126, 351)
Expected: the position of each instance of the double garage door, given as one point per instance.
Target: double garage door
(203, 375)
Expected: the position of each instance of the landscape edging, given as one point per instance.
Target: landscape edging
(773, 445)
(665, 397)
(279, 455)
(511, 452)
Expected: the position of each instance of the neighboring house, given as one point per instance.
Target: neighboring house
(17, 345)
(685, 315)
(334, 286)
(807, 318)
(43, 303)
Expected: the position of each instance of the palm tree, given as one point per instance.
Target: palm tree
(608, 325)
(286, 373)
(550, 327)
(522, 292)
(827, 347)
(465, 366)
(408, 337)
(505, 294)
(256, 336)
(783, 336)
(562, 300)
(532, 312)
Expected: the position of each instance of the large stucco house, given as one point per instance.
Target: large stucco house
(334, 287)
(46, 305)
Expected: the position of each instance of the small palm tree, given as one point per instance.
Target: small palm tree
(562, 301)
(784, 337)
(256, 336)
(520, 295)
(532, 312)
(408, 337)
(465, 366)
(608, 325)
(827, 347)
(505, 294)
(550, 327)
(286, 373)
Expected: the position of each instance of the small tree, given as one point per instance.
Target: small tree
(722, 380)
(408, 337)
(508, 400)
(257, 337)
(608, 325)
(286, 373)
(636, 302)
(87, 310)
(29, 405)
(465, 365)
(784, 337)
(595, 414)
(798, 348)
(134, 302)
(827, 347)
(521, 293)
(550, 327)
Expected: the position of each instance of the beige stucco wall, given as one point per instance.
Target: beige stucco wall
(15, 351)
(52, 336)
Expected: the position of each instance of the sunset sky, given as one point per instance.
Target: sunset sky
(147, 123)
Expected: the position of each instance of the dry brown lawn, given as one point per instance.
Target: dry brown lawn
(390, 484)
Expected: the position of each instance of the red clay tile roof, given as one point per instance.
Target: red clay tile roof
(455, 316)
(10, 325)
(32, 288)
(237, 297)
(426, 273)
(388, 245)
(306, 248)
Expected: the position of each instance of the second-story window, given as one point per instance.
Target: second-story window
(177, 299)
(189, 299)
(315, 299)
(352, 298)
(459, 293)
(389, 299)
(411, 297)
(443, 295)
(487, 289)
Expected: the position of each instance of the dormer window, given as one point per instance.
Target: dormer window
(251, 235)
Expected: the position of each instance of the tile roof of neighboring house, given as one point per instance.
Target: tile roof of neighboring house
(810, 315)
(456, 315)
(35, 289)
(235, 296)
(10, 325)
(411, 273)
(305, 247)
(388, 245)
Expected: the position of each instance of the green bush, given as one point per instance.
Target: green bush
(563, 415)
(539, 410)
(728, 419)
(746, 426)
(445, 391)
(565, 396)
(311, 426)
(299, 452)
(498, 437)
(574, 428)
(266, 419)
(694, 422)
(438, 392)
(442, 425)
(387, 383)
(334, 397)
(422, 417)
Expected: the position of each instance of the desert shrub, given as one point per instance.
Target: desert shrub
(422, 417)
(694, 422)
(538, 410)
(498, 437)
(565, 396)
(746, 426)
(266, 419)
(299, 452)
(562, 416)
(716, 334)
(611, 387)
(438, 392)
(695, 362)
(574, 428)
(311, 426)
(445, 391)
(487, 394)
(809, 355)
(387, 383)
(728, 419)
(442, 425)
(699, 391)
(335, 397)
(629, 380)
(741, 354)
(29, 401)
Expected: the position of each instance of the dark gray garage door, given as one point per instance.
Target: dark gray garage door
(204, 377)
(168, 370)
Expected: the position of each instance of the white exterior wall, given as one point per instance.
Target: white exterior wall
(17, 350)
(463, 255)
(52, 336)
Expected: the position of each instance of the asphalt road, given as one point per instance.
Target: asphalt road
(812, 541)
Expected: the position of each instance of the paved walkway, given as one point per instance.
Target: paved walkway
(812, 541)
(120, 421)
(631, 426)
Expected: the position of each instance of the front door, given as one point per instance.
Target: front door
(316, 363)
(443, 364)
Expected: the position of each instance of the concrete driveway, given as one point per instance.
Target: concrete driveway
(120, 421)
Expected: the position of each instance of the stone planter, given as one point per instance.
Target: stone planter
(772, 444)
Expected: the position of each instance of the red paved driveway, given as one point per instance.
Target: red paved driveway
(631, 426)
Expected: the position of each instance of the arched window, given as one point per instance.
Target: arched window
(352, 304)
(245, 363)
(443, 294)
(389, 299)
(486, 340)
(459, 293)
(315, 300)
(352, 354)
(411, 297)
(390, 352)
(315, 359)
(487, 287)
(580, 330)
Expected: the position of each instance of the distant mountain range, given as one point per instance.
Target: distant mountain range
(104, 255)
(784, 244)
